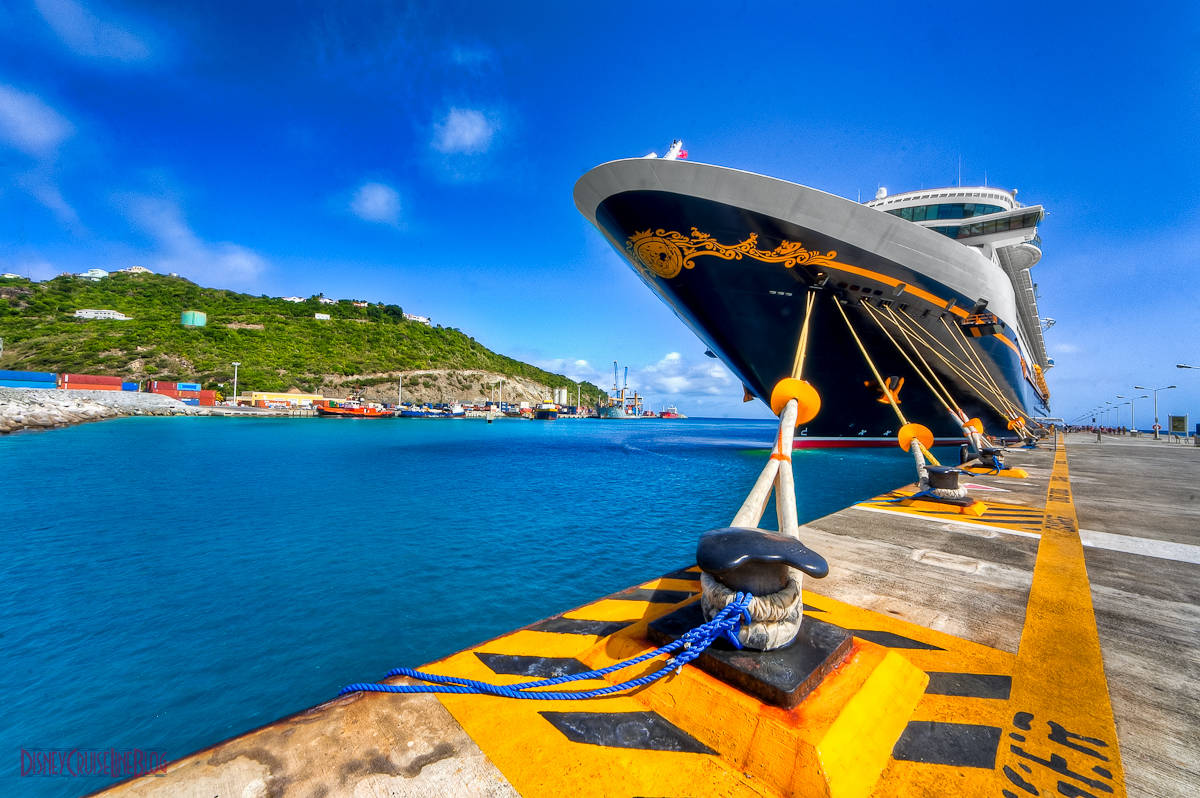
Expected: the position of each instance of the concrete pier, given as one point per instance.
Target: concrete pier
(1047, 646)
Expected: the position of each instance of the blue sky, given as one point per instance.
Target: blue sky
(425, 155)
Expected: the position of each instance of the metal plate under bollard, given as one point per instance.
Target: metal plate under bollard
(782, 677)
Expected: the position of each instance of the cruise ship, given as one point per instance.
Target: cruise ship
(934, 284)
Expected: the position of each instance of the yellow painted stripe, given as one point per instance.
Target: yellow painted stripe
(917, 292)
(998, 514)
(1063, 728)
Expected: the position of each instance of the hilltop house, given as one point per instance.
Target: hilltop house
(95, 275)
(102, 314)
(422, 319)
(327, 301)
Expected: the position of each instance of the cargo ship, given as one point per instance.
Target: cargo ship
(735, 255)
(620, 403)
(545, 411)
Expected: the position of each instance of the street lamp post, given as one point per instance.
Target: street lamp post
(1155, 392)
(1133, 430)
(236, 363)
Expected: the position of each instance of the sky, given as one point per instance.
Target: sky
(425, 155)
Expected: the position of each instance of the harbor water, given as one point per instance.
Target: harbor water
(170, 583)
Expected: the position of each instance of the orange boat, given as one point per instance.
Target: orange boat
(353, 410)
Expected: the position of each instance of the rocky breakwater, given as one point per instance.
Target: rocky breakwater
(35, 408)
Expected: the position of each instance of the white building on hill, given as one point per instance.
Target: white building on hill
(102, 314)
(95, 275)
(422, 319)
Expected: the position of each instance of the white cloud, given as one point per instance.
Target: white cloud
(183, 252)
(672, 377)
(88, 35)
(30, 125)
(470, 57)
(376, 202)
(464, 130)
(46, 192)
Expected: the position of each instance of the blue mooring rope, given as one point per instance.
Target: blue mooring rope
(725, 624)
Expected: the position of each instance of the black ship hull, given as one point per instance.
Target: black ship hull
(739, 279)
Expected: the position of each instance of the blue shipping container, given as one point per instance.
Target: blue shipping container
(192, 402)
(187, 386)
(129, 386)
(35, 376)
(26, 384)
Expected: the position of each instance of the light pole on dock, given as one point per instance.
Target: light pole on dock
(1155, 392)
(236, 363)
(1132, 423)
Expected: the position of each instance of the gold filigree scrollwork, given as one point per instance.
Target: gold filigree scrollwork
(667, 252)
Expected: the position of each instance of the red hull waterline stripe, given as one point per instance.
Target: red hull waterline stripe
(859, 443)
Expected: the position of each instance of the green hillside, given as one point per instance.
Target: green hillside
(279, 344)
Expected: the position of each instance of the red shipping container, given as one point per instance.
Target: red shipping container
(165, 392)
(189, 394)
(207, 401)
(93, 379)
(83, 386)
(156, 384)
(208, 395)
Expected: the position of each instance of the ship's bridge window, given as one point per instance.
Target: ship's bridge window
(945, 210)
(993, 226)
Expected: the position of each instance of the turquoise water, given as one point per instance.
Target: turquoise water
(169, 583)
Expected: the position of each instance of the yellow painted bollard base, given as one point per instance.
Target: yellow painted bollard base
(974, 508)
(835, 743)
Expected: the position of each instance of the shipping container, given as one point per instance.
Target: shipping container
(27, 384)
(85, 386)
(93, 379)
(207, 402)
(188, 394)
(35, 376)
(192, 402)
(165, 392)
(155, 385)
(187, 386)
(129, 386)
(208, 394)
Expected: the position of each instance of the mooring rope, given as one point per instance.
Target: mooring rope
(971, 380)
(940, 391)
(977, 359)
(690, 645)
(879, 378)
(802, 344)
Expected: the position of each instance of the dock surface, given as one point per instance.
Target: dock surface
(1049, 646)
